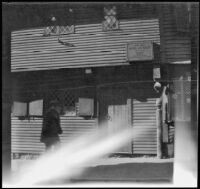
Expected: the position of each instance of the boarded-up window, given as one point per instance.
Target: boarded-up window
(19, 109)
(36, 108)
(86, 107)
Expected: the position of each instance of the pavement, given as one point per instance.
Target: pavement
(120, 170)
(129, 169)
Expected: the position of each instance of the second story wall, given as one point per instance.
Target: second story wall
(175, 44)
(92, 46)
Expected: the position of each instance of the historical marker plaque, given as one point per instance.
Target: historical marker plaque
(140, 51)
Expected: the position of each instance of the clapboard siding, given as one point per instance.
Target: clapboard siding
(175, 46)
(92, 47)
(144, 122)
(25, 134)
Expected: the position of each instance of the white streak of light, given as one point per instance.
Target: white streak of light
(185, 162)
(70, 160)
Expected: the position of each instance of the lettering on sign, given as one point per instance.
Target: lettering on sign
(140, 51)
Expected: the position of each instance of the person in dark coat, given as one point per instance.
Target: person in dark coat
(51, 127)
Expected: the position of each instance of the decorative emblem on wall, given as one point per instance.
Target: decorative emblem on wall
(58, 30)
(55, 30)
(111, 22)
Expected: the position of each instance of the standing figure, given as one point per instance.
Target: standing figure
(51, 127)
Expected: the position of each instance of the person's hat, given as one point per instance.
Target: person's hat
(157, 86)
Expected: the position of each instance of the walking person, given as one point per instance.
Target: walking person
(51, 127)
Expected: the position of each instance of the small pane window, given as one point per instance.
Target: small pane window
(69, 104)
(110, 22)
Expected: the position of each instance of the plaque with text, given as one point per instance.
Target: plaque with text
(140, 51)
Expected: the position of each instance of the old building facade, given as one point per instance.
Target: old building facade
(107, 61)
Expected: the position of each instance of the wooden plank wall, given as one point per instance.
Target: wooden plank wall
(93, 47)
(144, 123)
(26, 134)
(175, 46)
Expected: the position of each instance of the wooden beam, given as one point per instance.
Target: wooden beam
(159, 126)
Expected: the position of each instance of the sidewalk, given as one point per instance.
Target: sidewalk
(17, 163)
(114, 161)
(129, 169)
(120, 170)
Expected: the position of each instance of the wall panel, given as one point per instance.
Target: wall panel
(92, 47)
(175, 45)
(144, 123)
(26, 134)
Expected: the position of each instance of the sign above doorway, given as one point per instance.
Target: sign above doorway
(140, 51)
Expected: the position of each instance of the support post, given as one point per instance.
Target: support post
(130, 113)
(165, 115)
(6, 107)
(159, 126)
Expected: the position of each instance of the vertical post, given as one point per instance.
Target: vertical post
(95, 103)
(182, 93)
(6, 105)
(158, 89)
(165, 115)
(159, 126)
(194, 63)
(130, 114)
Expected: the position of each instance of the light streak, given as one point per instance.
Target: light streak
(71, 160)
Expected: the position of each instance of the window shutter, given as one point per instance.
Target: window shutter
(36, 108)
(86, 107)
(19, 109)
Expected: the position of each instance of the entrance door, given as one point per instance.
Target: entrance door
(118, 120)
(115, 113)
